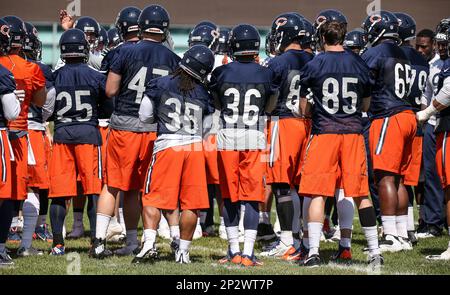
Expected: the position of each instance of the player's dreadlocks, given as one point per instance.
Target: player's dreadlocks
(187, 82)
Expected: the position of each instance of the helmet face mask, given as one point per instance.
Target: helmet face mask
(204, 35)
(32, 44)
(17, 31)
(381, 25)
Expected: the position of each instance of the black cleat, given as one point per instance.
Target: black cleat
(412, 237)
(148, 257)
(376, 261)
(312, 261)
(98, 249)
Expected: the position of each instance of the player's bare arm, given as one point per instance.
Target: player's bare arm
(113, 84)
(39, 97)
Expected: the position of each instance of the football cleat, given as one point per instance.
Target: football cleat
(311, 261)
(223, 233)
(412, 237)
(430, 232)
(265, 232)
(146, 256)
(406, 243)
(390, 243)
(77, 232)
(443, 256)
(98, 249)
(128, 249)
(343, 255)
(5, 259)
(299, 255)
(276, 249)
(235, 258)
(25, 252)
(182, 257)
(41, 232)
(58, 250)
(375, 261)
(14, 235)
(288, 253)
(248, 261)
(114, 229)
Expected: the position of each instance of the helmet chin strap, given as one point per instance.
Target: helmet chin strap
(378, 38)
(277, 49)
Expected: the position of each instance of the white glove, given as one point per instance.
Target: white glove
(425, 114)
(20, 94)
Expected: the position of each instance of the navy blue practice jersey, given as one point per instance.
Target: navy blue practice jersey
(178, 113)
(339, 81)
(286, 68)
(244, 90)
(138, 65)
(112, 54)
(35, 112)
(7, 85)
(390, 72)
(419, 75)
(79, 89)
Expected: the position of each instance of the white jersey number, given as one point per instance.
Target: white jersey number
(330, 99)
(250, 115)
(79, 106)
(192, 115)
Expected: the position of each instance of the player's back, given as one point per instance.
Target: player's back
(78, 90)
(243, 89)
(109, 58)
(419, 76)
(137, 65)
(390, 71)
(29, 77)
(287, 76)
(339, 81)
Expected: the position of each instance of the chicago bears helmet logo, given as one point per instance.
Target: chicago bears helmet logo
(4, 30)
(215, 34)
(375, 18)
(281, 21)
(321, 20)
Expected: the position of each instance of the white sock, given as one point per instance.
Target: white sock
(411, 218)
(102, 226)
(346, 242)
(241, 218)
(314, 231)
(198, 222)
(306, 242)
(402, 225)
(30, 213)
(371, 234)
(264, 217)
(2, 247)
(222, 222)
(184, 245)
(175, 232)
(132, 237)
(122, 220)
(249, 242)
(42, 219)
(389, 225)
(77, 219)
(163, 223)
(286, 237)
(233, 238)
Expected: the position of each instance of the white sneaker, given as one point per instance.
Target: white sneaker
(198, 233)
(182, 257)
(443, 256)
(23, 252)
(223, 232)
(407, 246)
(390, 244)
(5, 259)
(278, 250)
(114, 229)
(77, 231)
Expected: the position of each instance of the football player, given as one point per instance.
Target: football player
(355, 41)
(9, 110)
(38, 139)
(440, 104)
(29, 78)
(102, 40)
(243, 93)
(114, 38)
(179, 103)
(336, 155)
(393, 125)
(419, 76)
(433, 193)
(127, 28)
(76, 153)
(287, 148)
(425, 44)
(130, 141)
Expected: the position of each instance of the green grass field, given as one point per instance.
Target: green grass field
(206, 251)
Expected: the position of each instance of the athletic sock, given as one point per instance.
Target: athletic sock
(132, 237)
(77, 219)
(149, 241)
(305, 242)
(402, 226)
(57, 217)
(184, 245)
(314, 231)
(30, 213)
(286, 237)
(175, 232)
(249, 242)
(371, 234)
(410, 218)
(233, 238)
(102, 225)
(346, 242)
(389, 225)
(122, 221)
